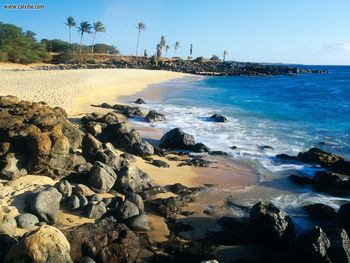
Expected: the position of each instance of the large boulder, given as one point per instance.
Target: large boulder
(27, 221)
(96, 211)
(271, 225)
(65, 188)
(333, 183)
(139, 101)
(177, 139)
(126, 210)
(344, 216)
(102, 178)
(45, 204)
(321, 212)
(111, 159)
(132, 179)
(218, 118)
(47, 244)
(154, 116)
(13, 166)
(90, 146)
(103, 241)
(328, 160)
(313, 245)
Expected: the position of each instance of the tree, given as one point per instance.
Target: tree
(159, 50)
(162, 42)
(70, 23)
(215, 57)
(224, 55)
(167, 48)
(176, 46)
(98, 27)
(191, 50)
(140, 27)
(85, 27)
(145, 53)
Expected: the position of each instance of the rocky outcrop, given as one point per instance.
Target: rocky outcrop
(45, 204)
(218, 118)
(36, 139)
(154, 116)
(328, 160)
(102, 178)
(333, 183)
(132, 179)
(103, 241)
(47, 244)
(321, 212)
(177, 139)
(271, 225)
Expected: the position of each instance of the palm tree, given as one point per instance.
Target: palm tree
(167, 47)
(70, 23)
(141, 26)
(176, 46)
(85, 27)
(225, 54)
(159, 50)
(162, 42)
(98, 27)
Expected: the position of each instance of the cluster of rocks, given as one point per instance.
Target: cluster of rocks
(198, 66)
(36, 139)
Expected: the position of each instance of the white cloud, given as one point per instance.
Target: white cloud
(343, 46)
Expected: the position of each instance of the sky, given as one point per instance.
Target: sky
(314, 32)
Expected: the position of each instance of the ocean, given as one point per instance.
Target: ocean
(288, 114)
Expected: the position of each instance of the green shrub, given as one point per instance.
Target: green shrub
(19, 47)
(105, 49)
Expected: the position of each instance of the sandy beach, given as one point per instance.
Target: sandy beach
(76, 90)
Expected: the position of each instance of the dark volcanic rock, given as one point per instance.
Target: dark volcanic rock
(218, 118)
(271, 226)
(104, 241)
(90, 146)
(344, 216)
(160, 163)
(336, 184)
(132, 179)
(96, 211)
(321, 212)
(300, 180)
(154, 116)
(286, 157)
(200, 148)
(140, 101)
(65, 188)
(177, 139)
(313, 245)
(27, 220)
(13, 166)
(102, 178)
(45, 204)
(128, 110)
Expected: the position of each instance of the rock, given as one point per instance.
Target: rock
(154, 116)
(90, 146)
(286, 157)
(65, 188)
(137, 200)
(270, 225)
(83, 168)
(182, 190)
(84, 260)
(60, 143)
(198, 161)
(200, 148)
(140, 101)
(110, 158)
(265, 147)
(344, 216)
(96, 211)
(95, 198)
(339, 250)
(177, 139)
(27, 221)
(13, 166)
(300, 180)
(102, 178)
(132, 179)
(47, 244)
(73, 203)
(6, 243)
(218, 118)
(126, 210)
(218, 153)
(81, 189)
(336, 184)
(328, 160)
(4, 148)
(127, 110)
(45, 204)
(131, 158)
(7, 224)
(83, 201)
(104, 241)
(314, 245)
(321, 212)
(160, 163)
(139, 223)
(143, 149)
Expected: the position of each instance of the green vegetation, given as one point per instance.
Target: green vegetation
(140, 27)
(105, 49)
(85, 27)
(20, 47)
(98, 27)
(215, 58)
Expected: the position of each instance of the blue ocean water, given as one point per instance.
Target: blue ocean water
(288, 113)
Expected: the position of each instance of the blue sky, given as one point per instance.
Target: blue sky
(293, 31)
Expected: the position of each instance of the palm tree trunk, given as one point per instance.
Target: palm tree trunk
(174, 52)
(93, 44)
(81, 39)
(138, 40)
(70, 35)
